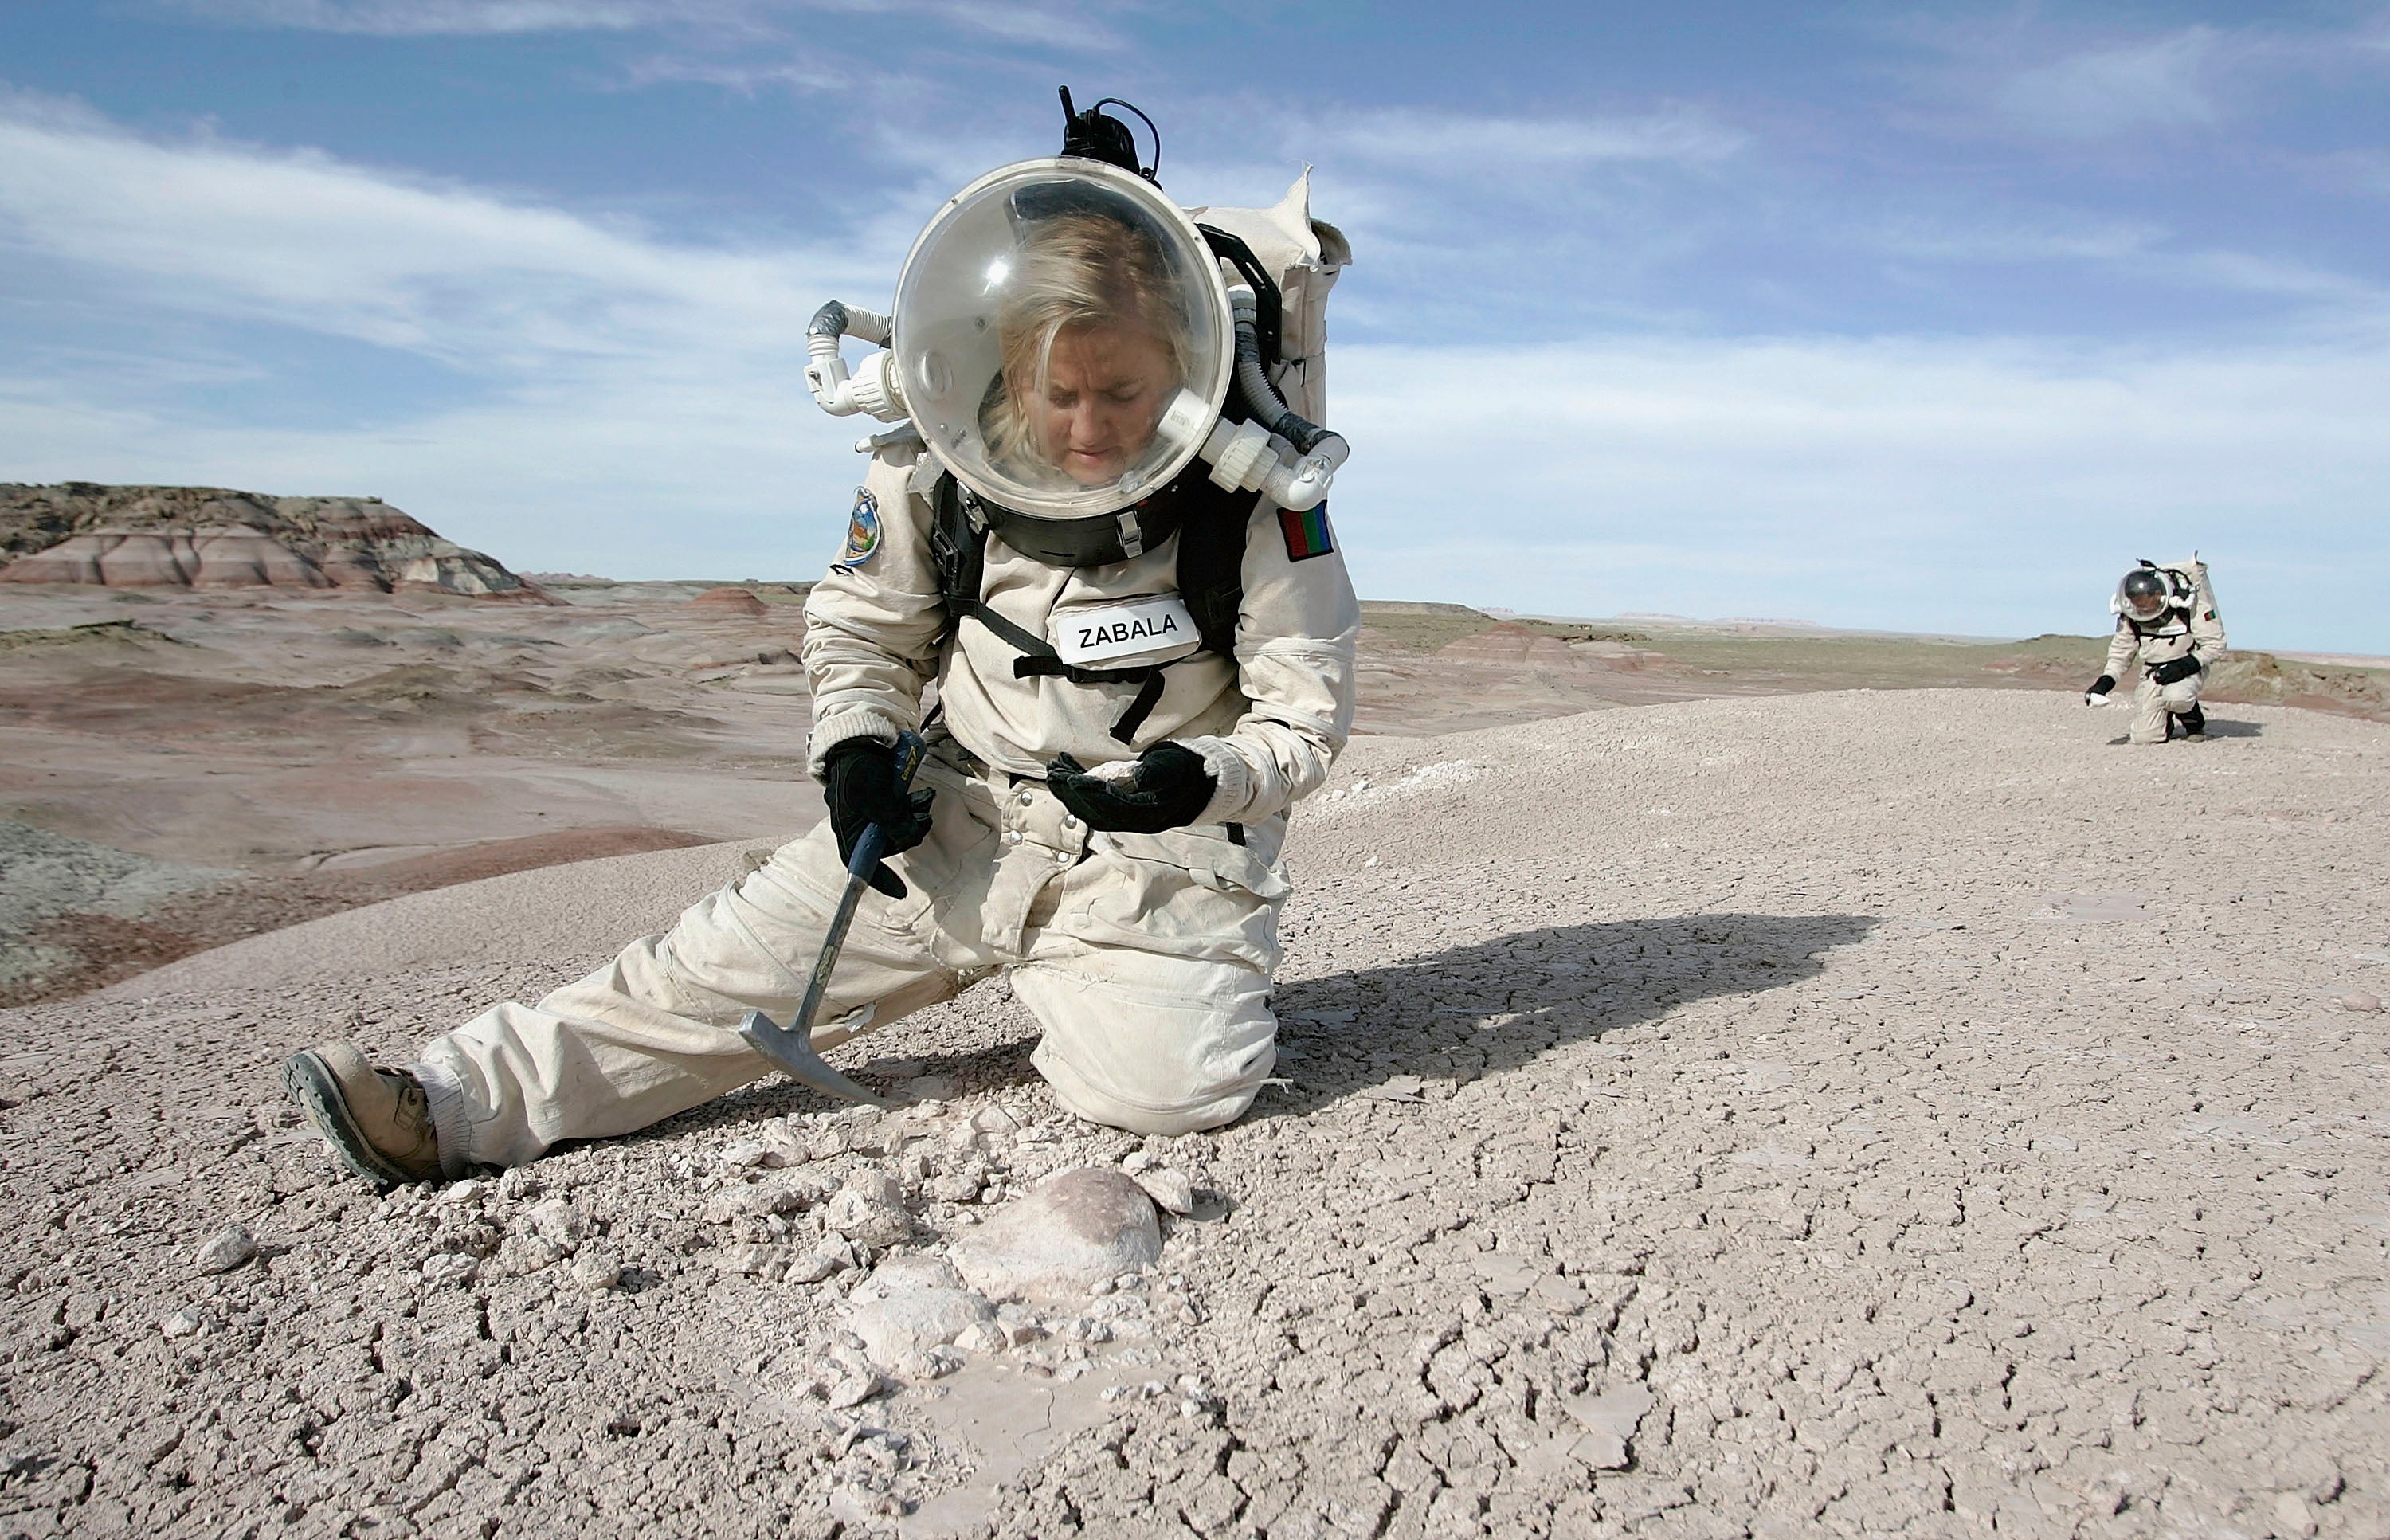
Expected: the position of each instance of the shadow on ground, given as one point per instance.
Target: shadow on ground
(1496, 1005)
(1443, 1019)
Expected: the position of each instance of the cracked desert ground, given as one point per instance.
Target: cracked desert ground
(1867, 1111)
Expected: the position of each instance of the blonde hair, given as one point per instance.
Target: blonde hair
(1083, 271)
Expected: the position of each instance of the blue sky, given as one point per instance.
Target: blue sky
(1929, 319)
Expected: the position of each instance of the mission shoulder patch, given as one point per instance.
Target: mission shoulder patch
(862, 530)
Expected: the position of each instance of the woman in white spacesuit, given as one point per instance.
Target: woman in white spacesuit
(1101, 538)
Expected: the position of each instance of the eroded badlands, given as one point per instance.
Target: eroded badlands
(1859, 1113)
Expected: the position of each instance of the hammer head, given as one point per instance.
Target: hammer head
(792, 1053)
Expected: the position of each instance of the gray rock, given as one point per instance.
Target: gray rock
(227, 1250)
(866, 1220)
(910, 1304)
(751, 1261)
(449, 1268)
(849, 1379)
(983, 1338)
(186, 1322)
(597, 1270)
(522, 1255)
(1609, 1420)
(1079, 1227)
(1168, 1187)
(784, 1195)
(559, 1223)
(833, 1255)
(876, 1186)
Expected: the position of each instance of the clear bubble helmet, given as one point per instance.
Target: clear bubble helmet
(1063, 338)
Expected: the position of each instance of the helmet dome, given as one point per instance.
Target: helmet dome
(1063, 338)
(2141, 595)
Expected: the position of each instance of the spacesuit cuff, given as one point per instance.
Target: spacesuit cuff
(1235, 777)
(832, 731)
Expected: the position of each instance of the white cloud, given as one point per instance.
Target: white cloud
(1950, 485)
(603, 383)
(1062, 27)
(438, 18)
(485, 284)
(628, 402)
(2166, 82)
(1490, 145)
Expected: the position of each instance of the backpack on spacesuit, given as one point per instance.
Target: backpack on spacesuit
(1291, 261)
(1301, 257)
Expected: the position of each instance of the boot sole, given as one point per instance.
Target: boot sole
(313, 1085)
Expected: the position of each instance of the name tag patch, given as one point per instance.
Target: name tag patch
(1137, 630)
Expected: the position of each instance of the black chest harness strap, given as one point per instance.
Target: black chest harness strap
(1210, 527)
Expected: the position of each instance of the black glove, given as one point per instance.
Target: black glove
(2175, 669)
(859, 782)
(1168, 789)
(2103, 685)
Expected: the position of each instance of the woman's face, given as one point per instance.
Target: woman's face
(1105, 390)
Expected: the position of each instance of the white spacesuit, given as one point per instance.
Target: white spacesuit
(1108, 554)
(2167, 621)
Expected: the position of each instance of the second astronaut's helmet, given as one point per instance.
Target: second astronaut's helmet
(2143, 594)
(1063, 338)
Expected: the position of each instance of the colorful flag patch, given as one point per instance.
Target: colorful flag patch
(1307, 532)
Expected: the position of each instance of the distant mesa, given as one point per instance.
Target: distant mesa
(210, 537)
(731, 601)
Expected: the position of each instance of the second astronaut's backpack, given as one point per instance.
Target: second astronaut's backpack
(2188, 591)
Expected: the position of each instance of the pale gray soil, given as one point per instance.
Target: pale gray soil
(1953, 1122)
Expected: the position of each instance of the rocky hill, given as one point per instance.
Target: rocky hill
(211, 537)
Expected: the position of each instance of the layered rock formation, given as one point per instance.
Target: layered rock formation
(209, 537)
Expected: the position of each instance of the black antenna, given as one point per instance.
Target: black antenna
(1094, 136)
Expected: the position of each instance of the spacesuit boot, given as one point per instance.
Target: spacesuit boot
(2193, 723)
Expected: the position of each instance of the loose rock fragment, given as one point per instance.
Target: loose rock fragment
(1076, 1229)
(1609, 1421)
(866, 1219)
(850, 1380)
(983, 1338)
(557, 1223)
(750, 1261)
(227, 1250)
(2359, 1000)
(788, 1194)
(1168, 1187)
(910, 1304)
(597, 1270)
(820, 1262)
(1019, 1326)
(448, 1267)
(926, 1364)
(186, 1322)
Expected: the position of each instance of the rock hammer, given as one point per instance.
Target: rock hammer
(790, 1048)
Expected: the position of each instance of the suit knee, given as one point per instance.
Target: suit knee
(1151, 1059)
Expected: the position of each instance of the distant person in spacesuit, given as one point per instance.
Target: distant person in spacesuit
(1102, 539)
(2167, 621)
